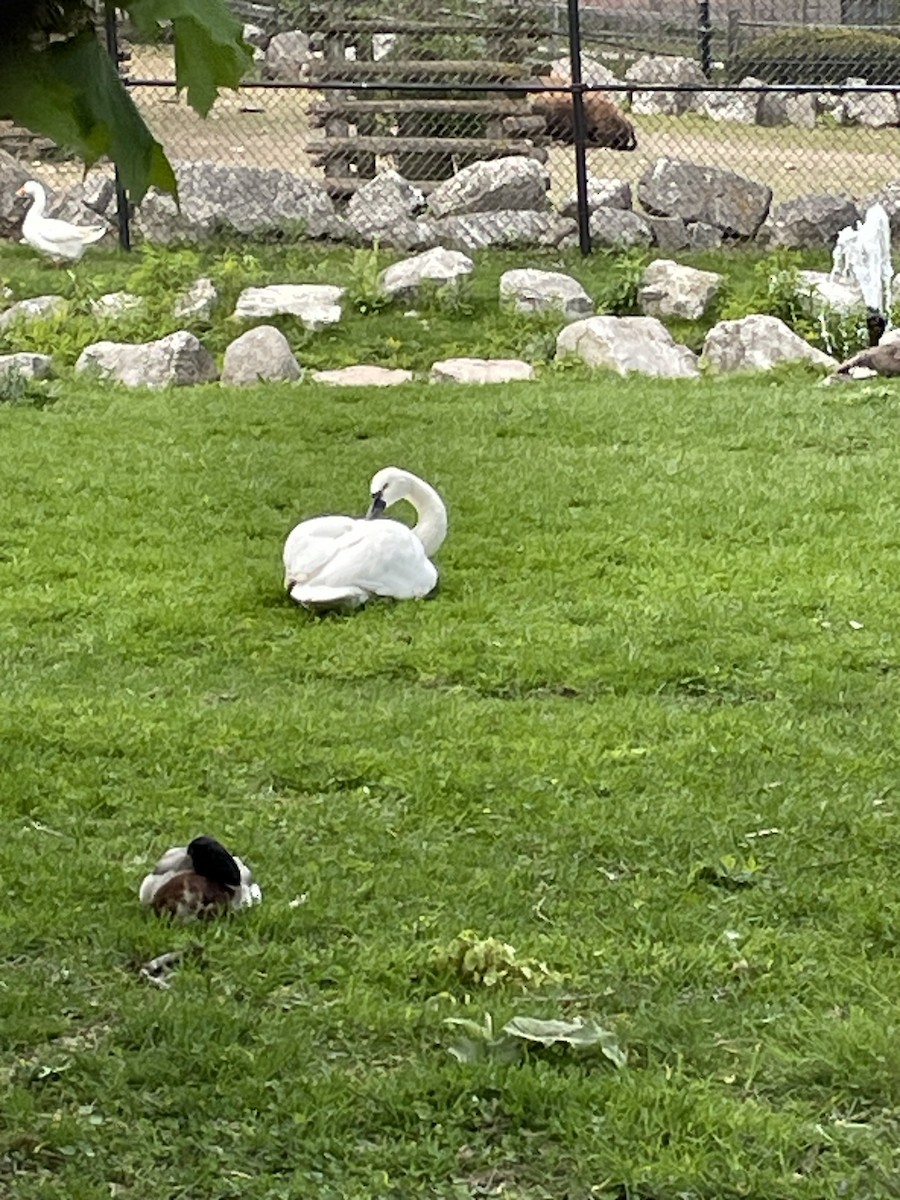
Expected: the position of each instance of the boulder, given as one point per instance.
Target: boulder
(481, 370)
(618, 228)
(704, 237)
(876, 110)
(757, 343)
(25, 365)
(602, 193)
(593, 72)
(531, 290)
(241, 199)
(669, 233)
(889, 197)
(255, 36)
(492, 185)
(31, 309)
(625, 344)
(772, 109)
(12, 207)
(510, 227)
(262, 353)
(178, 360)
(801, 110)
(661, 69)
(437, 266)
(695, 192)
(741, 108)
(382, 209)
(669, 289)
(363, 375)
(113, 305)
(809, 221)
(198, 302)
(316, 304)
(827, 294)
(287, 57)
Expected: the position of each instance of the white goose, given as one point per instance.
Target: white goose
(339, 562)
(58, 239)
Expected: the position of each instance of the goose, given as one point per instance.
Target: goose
(338, 562)
(199, 881)
(58, 239)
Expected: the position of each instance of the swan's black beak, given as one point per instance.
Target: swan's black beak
(377, 507)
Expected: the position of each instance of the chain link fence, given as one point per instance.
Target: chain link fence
(590, 98)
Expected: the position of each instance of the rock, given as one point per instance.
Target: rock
(178, 360)
(241, 199)
(254, 36)
(510, 227)
(757, 343)
(772, 109)
(12, 207)
(316, 304)
(670, 233)
(669, 289)
(33, 307)
(809, 221)
(625, 344)
(656, 68)
(742, 108)
(889, 197)
(736, 206)
(545, 291)
(287, 57)
(198, 302)
(593, 72)
(262, 353)
(801, 110)
(704, 237)
(877, 110)
(113, 305)
(382, 209)
(25, 365)
(826, 293)
(492, 185)
(481, 370)
(619, 228)
(363, 375)
(602, 193)
(435, 267)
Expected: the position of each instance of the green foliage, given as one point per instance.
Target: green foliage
(69, 89)
(623, 273)
(819, 56)
(364, 291)
(488, 962)
(480, 1043)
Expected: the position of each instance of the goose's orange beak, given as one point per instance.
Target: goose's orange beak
(21, 191)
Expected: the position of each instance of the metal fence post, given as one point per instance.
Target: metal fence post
(112, 46)
(579, 128)
(704, 37)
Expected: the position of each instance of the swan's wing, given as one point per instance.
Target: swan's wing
(313, 544)
(386, 559)
(63, 233)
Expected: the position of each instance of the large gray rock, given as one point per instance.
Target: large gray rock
(530, 290)
(669, 289)
(514, 182)
(593, 72)
(287, 57)
(436, 267)
(363, 375)
(481, 370)
(830, 295)
(602, 193)
(704, 237)
(740, 108)
(242, 199)
(625, 344)
(801, 110)
(112, 306)
(178, 360)
(619, 228)
(877, 110)
(889, 197)
(758, 343)
(661, 69)
(25, 365)
(809, 221)
(382, 209)
(255, 36)
(198, 302)
(262, 353)
(511, 227)
(12, 208)
(316, 304)
(669, 233)
(694, 192)
(31, 309)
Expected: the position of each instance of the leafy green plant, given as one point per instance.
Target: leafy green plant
(819, 56)
(488, 962)
(517, 1036)
(364, 291)
(623, 277)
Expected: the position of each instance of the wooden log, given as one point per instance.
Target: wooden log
(340, 104)
(493, 147)
(416, 71)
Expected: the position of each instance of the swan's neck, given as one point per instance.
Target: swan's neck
(431, 526)
(38, 204)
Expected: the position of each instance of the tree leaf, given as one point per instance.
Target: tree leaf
(580, 1033)
(70, 92)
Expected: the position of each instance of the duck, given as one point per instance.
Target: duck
(198, 882)
(58, 239)
(336, 562)
(882, 359)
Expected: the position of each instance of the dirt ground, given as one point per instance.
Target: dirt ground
(272, 128)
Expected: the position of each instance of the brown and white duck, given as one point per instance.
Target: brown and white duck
(198, 882)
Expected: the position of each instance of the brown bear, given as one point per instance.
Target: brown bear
(605, 126)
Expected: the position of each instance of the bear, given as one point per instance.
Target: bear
(605, 125)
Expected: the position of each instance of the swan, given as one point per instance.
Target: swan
(338, 562)
(58, 239)
(201, 880)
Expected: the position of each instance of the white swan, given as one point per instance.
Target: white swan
(58, 239)
(340, 562)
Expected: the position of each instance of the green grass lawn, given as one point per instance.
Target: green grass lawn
(646, 733)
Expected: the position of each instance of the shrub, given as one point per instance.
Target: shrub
(819, 56)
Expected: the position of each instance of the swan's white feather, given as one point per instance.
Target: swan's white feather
(50, 235)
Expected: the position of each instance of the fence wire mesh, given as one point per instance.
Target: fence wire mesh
(804, 103)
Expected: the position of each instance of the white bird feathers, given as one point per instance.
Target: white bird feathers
(57, 239)
(199, 881)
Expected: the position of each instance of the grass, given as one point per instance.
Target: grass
(645, 734)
